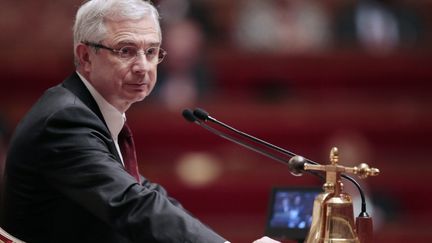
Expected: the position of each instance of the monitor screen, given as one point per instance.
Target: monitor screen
(290, 212)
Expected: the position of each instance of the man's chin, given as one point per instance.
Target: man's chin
(140, 97)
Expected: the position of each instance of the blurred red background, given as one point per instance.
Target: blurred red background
(370, 99)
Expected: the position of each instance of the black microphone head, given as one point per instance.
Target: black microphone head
(188, 115)
(296, 165)
(201, 114)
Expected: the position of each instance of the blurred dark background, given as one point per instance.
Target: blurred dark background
(303, 74)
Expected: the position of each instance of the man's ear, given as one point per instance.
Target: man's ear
(83, 56)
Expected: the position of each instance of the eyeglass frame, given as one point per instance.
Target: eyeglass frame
(161, 55)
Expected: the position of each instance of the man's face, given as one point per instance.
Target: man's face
(123, 82)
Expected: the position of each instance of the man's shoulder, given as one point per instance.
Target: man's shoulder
(56, 101)
(70, 93)
(56, 98)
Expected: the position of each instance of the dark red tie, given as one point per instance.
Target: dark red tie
(127, 148)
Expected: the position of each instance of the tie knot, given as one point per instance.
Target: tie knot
(125, 132)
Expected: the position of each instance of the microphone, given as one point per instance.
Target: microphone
(295, 164)
(189, 116)
(203, 115)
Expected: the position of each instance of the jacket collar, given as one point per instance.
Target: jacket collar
(77, 87)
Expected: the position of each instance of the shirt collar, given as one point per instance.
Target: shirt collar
(113, 117)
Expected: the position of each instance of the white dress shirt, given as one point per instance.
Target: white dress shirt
(113, 117)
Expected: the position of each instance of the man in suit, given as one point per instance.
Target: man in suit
(68, 176)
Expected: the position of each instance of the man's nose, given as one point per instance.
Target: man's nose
(141, 64)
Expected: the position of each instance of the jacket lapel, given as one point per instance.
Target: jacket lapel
(74, 84)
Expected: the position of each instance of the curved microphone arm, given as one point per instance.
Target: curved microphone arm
(203, 115)
(363, 212)
(188, 115)
(199, 116)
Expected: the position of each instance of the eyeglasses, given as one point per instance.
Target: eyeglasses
(153, 54)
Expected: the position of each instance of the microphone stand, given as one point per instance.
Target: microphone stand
(296, 164)
(204, 116)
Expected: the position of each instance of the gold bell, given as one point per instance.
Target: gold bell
(333, 214)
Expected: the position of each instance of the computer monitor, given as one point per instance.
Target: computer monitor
(290, 212)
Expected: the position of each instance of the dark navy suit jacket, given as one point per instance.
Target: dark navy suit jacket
(65, 181)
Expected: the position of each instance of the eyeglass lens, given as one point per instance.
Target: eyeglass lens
(153, 54)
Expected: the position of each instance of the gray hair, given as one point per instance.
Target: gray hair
(90, 18)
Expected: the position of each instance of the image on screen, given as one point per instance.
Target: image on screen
(292, 209)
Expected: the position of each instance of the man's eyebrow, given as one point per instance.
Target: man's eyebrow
(154, 44)
(132, 43)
